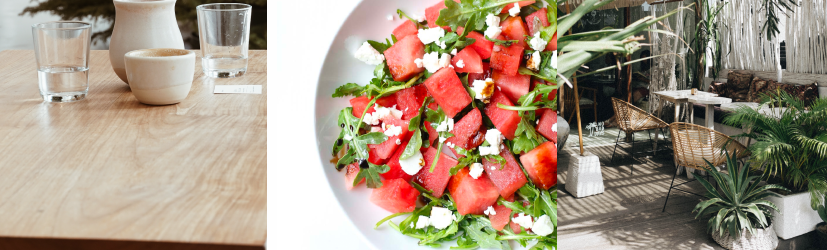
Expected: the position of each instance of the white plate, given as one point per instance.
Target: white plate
(368, 21)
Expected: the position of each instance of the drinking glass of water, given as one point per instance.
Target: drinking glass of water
(224, 31)
(62, 52)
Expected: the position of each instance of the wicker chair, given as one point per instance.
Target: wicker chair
(585, 103)
(694, 145)
(631, 119)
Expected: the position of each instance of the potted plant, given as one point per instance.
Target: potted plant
(790, 149)
(740, 214)
(821, 228)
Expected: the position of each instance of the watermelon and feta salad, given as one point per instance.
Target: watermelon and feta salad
(457, 132)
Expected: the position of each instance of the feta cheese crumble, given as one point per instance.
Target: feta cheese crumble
(422, 222)
(490, 211)
(383, 112)
(398, 141)
(537, 43)
(446, 125)
(390, 17)
(534, 62)
(460, 64)
(413, 164)
(418, 18)
(441, 217)
(392, 130)
(483, 89)
(430, 35)
(433, 61)
(554, 127)
(494, 139)
(369, 55)
(371, 119)
(450, 145)
(523, 220)
(476, 170)
(554, 60)
(514, 11)
(543, 226)
(418, 62)
(493, 22)
(454, 52)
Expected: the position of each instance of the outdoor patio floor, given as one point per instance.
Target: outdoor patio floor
(628, 214)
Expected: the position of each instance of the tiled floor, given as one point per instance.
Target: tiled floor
(628, 214)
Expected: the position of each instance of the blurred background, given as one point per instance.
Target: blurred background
(18, 16)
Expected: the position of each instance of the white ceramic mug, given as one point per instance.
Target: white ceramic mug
(160, 76)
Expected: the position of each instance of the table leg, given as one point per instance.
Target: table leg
(677, 111)
(692, 114)
(710, 116)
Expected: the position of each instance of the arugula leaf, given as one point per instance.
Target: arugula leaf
(483, 234)
(526, 137)
(379, 46)
(402, 14)
(506, 43)
(455, 13)
(349, 89)
(546, 71)
(371, 175)
(416, 140)
(360, 143)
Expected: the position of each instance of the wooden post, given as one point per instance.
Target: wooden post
(577, 100)
(628, 58)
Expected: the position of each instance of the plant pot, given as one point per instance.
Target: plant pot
(796, 216)
(142, 25)
(763, 239)
(821, 239)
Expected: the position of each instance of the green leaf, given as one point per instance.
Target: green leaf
(506, 43)
(379, 46)
(483, 235)
(350, 89)
(371, 175)
(455, 13)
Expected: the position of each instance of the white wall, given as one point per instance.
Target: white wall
(16, 31)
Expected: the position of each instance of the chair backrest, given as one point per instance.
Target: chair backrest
(631, 118)
(569, 99)
(694, 145)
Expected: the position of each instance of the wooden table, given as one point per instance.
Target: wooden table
(108, 172)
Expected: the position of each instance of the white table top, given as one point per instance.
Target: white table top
(765, 110)
(681, 95)
(302, 206)
(709, 100)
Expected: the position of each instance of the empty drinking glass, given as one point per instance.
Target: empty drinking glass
(224, 30)
(62, 52)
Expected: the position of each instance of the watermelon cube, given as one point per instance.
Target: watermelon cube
(548, 118)
(448, 91)
(521, 3)
(472, 63)
(514, 29)
(482, 46)
(432, 14)
(432, 134)
(552, 44)
(537, 21)
(541, 165)
(507, 178)
(396, 196)
(486, 73)
(396, 171)
(468, 131)
(373, 157)
(405, 29)
(472, 196)
(501, 218)
(400, 58)
(410, 100)
(506, 121)
(435, 181)
(386, 149)
(514, 86)
(507, 59)
(360, 103)
(351, 172)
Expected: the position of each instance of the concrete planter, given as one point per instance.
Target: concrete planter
(584, 177)
(796, 218)
(763, 239)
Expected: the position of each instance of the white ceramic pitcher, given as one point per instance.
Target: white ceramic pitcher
(142, 24)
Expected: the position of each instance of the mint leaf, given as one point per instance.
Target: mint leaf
(349, 89)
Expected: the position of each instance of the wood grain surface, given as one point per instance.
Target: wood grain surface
(109, 168)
